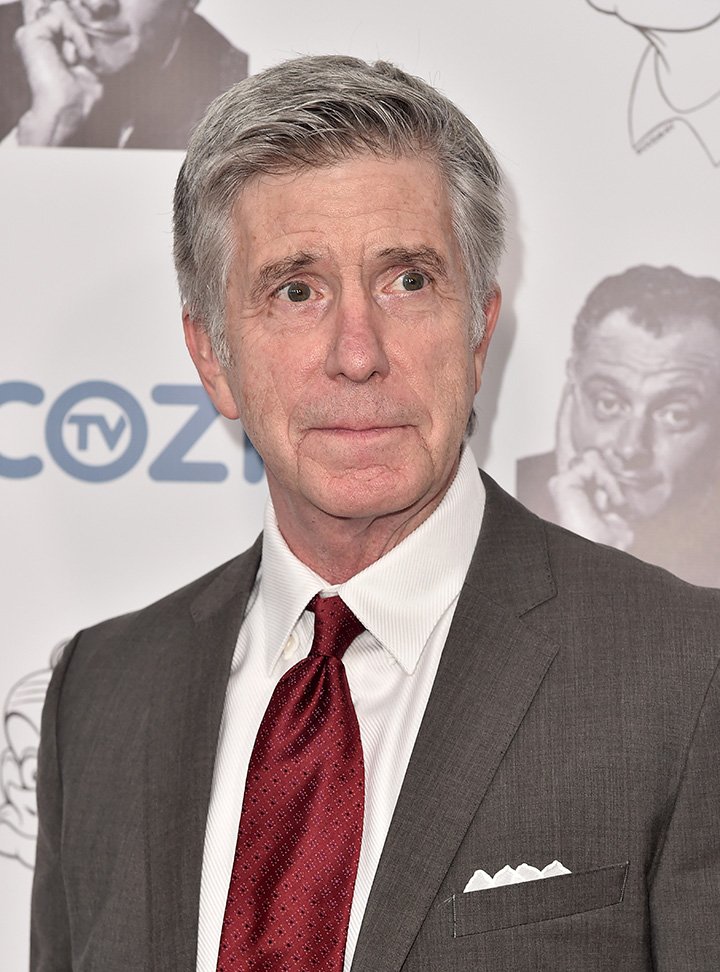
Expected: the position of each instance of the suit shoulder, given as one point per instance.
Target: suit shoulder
(11, 18)
(157, 623)
(532, 476)
(581, 592)
(605, 569)
(630, 613)
(108, 671)
(14, 89)
(204, 43)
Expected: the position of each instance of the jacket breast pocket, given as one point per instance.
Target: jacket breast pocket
(476, 912)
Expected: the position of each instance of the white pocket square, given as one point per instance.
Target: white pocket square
(513, 875)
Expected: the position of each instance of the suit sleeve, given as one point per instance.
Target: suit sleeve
(685, 889)
(50, 949)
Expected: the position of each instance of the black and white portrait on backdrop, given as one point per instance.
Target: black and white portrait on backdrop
(636, 463)
(109, 73)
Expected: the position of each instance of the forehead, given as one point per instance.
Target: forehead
(620, 346)
(150, 7)
(346, 211)
(145, 7)
(146, 10)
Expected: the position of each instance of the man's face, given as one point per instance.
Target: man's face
(662, 14)
(123, 31)
(651, 406)
(348, 320)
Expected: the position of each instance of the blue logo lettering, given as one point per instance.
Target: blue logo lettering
(171, 464)
(59, 415)
(92, 421)
(20, 391)
(109, 434)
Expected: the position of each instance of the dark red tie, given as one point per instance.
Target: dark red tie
(298, 845)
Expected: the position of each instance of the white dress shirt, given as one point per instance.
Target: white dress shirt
(406, 601)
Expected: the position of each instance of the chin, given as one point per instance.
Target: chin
(364, 496)
(648, 505)
(112, 58)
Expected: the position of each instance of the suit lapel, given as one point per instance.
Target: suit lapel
(491, 668)
(192, 672)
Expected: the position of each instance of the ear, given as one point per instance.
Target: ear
(492, 311)
(212, 374)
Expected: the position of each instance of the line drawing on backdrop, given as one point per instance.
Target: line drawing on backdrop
(636, 462)
(677, 81)
(115, 74)
(18, 763)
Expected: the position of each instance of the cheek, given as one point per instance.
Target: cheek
(587, 432)
(449, 385)
(267, 392)
(256, 399)
(690, 456)
(159, 20)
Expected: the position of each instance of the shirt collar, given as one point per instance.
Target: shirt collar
(402, 596)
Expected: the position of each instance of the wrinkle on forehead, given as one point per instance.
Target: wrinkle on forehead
(624, 351)
(352, 214)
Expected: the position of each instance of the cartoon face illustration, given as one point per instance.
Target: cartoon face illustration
(673, 15)
(677, 81)
(18, 764)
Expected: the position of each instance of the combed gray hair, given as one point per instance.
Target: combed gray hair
(316, 111)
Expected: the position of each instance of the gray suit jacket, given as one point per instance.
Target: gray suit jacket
(575, 715)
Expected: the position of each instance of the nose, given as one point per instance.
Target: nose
(633, 445)
(101, 9)
(357, 350)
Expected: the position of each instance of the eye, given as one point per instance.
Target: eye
(296, 291)
(677, 417)
(410, 281)
(607, 406)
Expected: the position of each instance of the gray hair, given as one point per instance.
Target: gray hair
(658, 299)
(316, 111)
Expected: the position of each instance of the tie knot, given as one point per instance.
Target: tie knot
(335, 626)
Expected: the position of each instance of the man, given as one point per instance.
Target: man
(637, 458)
(109, 73)
(677, 80)
(483, 690)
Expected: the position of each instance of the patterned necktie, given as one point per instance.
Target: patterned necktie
(298, 844)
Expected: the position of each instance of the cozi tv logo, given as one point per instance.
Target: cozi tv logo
(97, 431)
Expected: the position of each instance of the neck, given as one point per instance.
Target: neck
(687, 65)
(337, 548)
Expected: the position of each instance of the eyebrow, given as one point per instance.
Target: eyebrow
(598, 378)
(661, 397)
(424, 256)
(274, 272)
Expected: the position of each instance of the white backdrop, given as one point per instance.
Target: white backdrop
(88, 295)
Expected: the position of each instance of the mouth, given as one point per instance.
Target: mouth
(359, 431)
(106, 35)
(102, 31)
(641, 482)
